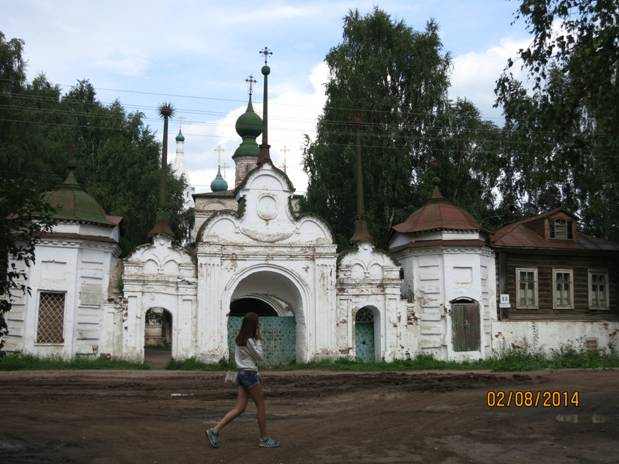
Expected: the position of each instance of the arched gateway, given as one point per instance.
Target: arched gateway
(263, 256)
(279, 304)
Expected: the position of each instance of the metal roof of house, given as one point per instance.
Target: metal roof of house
(520, 234)
(438, 214)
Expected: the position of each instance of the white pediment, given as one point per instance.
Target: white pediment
(159, 258)
(367, 263)
(266, 216)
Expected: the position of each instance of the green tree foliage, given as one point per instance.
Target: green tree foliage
(562, 123)
(395, 79)
(20, 194)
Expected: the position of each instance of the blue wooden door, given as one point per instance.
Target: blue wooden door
(364, 341)
(278, 338)
(364, 335)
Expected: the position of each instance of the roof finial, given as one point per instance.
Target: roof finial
(266, 52)
(250, 83)
(362, 233)
(265, 156)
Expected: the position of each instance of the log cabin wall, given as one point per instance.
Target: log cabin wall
(545, 263)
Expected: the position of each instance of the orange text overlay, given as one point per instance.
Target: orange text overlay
(532, 399)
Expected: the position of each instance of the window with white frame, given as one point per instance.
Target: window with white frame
(563, 289)
(560, 229)
(598, 289)
(50, 325)
(526, 288)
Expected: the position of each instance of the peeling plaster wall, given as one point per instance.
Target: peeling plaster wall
(367, 277)
(79, 268)
(547, 336)
(435, 276)
(267, 239)
(158, 275)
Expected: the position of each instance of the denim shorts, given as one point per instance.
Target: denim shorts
(248, 379)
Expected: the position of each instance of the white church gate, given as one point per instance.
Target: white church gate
(263, 250)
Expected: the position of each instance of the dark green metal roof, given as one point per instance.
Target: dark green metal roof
(249, 124)
(219, 184)
(72, 203)
(180, 137)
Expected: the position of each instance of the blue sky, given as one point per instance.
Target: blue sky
(206, 49)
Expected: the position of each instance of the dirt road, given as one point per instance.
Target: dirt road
(320, 417)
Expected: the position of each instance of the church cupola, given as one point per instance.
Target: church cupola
(249, 127)
(180, 137)
(219, 184)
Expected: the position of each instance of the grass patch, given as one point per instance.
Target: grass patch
(22, 362)
(512, 360)
(517, 359)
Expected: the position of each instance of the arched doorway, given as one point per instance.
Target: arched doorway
(276, 300)
(365, 340)
(158, 337)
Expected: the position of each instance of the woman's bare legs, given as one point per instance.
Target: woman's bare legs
(261, 408)
(239, 408)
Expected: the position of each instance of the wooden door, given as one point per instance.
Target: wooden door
(465, 326)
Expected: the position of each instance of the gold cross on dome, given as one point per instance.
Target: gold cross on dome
(266, 52)
(250, 82)
(219, 151)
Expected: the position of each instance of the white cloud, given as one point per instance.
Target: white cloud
(124, 63)
(475, 73)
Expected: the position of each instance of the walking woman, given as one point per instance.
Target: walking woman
(247, 353)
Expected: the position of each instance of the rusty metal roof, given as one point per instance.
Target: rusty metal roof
(438, 214)
(520, 234)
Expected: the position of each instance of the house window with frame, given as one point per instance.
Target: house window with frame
(560, 229)
(563, 289)
(526, 288)
(598, 289)
(50, 325)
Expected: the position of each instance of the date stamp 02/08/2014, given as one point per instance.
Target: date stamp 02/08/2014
(533, 399)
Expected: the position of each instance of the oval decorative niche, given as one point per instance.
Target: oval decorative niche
(267, 207)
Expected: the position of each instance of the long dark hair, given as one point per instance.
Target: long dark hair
(249, 329)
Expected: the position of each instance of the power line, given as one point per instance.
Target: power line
(202, 97)
(367, 127)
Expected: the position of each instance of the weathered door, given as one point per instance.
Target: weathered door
(465, 326)
(364, 335)
(278, 338)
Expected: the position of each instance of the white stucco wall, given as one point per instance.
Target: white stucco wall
(546, 336)
(80, 268)
(267, 239)
(434, 277)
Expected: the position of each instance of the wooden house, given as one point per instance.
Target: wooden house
(551, 270)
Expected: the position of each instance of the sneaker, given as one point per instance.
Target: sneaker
(213, 438)
(268, 442)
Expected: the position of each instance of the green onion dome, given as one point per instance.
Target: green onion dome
(180, 137)
(72, 203)
(249, 124)
(219, 184)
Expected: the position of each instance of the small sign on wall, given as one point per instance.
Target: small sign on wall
(504, 301)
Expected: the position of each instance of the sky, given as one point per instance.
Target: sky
(197, 55)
